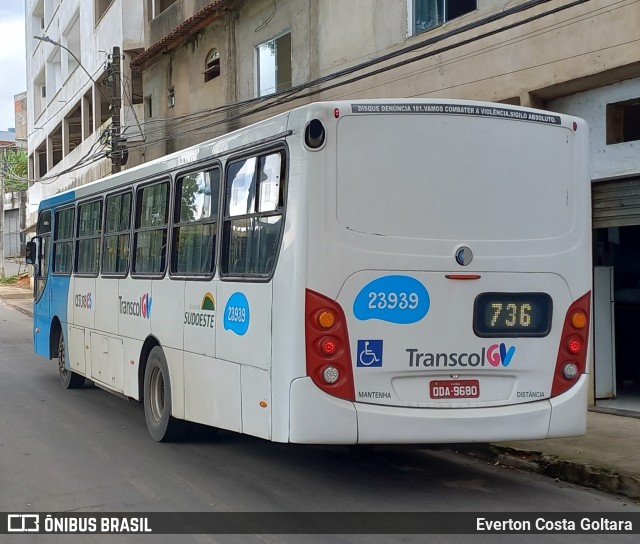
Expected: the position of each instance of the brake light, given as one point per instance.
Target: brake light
(572, 353)
(327, 346)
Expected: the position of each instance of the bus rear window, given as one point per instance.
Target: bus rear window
(477, 179)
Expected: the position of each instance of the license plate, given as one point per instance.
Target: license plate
(454, 389)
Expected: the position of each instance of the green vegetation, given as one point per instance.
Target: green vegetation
(8, 280)
(16, 171)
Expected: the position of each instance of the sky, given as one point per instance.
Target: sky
(12, 59)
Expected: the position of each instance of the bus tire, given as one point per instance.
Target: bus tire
(68, 378)
(162, 426)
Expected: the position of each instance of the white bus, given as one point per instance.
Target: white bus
(375, 271)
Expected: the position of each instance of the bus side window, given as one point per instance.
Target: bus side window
(63, 241)
(150, 232)
(254, 206)
(115, 250)
(195, 220)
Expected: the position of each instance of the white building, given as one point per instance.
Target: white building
(69, 90)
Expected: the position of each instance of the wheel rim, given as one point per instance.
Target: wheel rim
(61, 360)
(156, 394)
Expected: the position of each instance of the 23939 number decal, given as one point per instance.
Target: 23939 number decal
(236, 314)
(392, 300)
(396, 299)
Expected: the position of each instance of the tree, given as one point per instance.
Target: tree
(16, 171)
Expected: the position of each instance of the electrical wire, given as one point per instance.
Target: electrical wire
(192, 123)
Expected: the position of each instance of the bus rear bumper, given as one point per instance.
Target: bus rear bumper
(317, 418)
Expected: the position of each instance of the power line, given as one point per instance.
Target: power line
(191, 123)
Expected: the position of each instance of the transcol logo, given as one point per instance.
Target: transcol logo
(499, 354)
(138, 308)
(496, 355)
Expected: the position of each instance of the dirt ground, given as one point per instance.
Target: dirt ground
(23, 282)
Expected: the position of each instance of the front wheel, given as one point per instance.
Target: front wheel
(68, 378)
(157, 400)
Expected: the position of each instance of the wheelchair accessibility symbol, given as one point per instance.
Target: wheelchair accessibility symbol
(369, 352)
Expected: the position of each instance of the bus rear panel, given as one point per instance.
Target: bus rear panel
(448, 276)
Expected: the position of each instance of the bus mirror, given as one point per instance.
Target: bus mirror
(30, 252)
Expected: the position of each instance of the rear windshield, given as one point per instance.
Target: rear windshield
(454, 178)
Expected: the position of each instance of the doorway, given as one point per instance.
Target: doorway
(618, 250)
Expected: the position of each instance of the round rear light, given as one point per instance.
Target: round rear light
(328, 346)
(330, 374)
(570, 371)
(579, 319)
(326, 319)
(574, 345)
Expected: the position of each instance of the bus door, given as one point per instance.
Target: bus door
(42, 294)
(253, 218)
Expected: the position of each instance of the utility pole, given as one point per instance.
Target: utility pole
(116, 148)
(3, 173)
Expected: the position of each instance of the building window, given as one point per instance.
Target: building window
(254, 207)
(63, 241)
(150, 233)
(37, 21)
(40, 94)
(274, 65)
(115, 253)
(212, 65)
(71, 40)
(88, 241)
(54, 73)
(431, 13)
(623, 121)
(171, 97)
(101, 6)
(196, 215)
(156, 7)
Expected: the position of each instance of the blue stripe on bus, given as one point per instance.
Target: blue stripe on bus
(56, 200)
(54, 302)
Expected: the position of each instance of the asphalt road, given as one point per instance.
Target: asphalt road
(89, 451)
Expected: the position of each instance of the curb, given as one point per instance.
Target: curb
(603, 479)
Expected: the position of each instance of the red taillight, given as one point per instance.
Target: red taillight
(574, 345)
(572, 354)
(327, 346)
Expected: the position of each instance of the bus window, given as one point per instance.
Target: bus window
(63, 241)
(196, 214)
(115, 252)
(253, 215)
(150, 233)
(88, 242)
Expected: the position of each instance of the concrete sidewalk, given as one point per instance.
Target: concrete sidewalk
(606, 458)
(17, 297)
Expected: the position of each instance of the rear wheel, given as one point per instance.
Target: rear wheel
(157, 400)
(68, 378)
